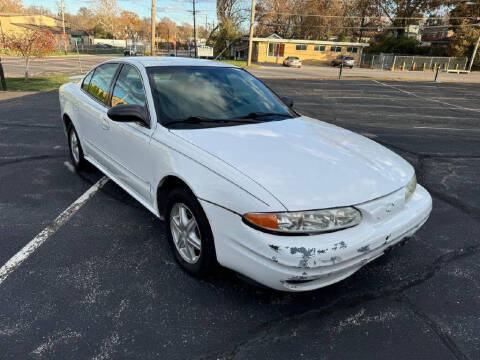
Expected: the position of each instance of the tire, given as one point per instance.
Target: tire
(199, 260)
(75, 150)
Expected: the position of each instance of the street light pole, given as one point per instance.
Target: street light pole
(194, 30)
(153, 26)
(250, 37)
(62, 5)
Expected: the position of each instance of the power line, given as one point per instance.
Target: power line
(369, 28)
(361, 17)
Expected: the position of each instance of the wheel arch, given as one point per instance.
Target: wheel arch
(167, 184)
(67, 122)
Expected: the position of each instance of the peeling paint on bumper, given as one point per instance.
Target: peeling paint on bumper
(301, 263)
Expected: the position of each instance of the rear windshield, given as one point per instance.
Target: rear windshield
(348, 58)
(293, 57)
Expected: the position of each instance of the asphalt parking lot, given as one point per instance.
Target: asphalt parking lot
(56, 65)
(105, 285)
(14, 66)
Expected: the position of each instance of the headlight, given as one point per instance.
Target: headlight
(304, 222)
(410, 188)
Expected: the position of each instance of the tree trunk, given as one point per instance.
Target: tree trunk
(27, 65)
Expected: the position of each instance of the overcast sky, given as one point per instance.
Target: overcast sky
(175, 10)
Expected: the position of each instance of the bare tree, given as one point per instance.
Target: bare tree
(107, 12)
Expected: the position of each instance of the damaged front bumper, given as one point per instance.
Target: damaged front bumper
(301, 263)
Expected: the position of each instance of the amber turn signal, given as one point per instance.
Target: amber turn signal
(268, 221)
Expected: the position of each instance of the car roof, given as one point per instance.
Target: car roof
(149, 61)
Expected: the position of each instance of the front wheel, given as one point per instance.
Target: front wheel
(76, 151)
(191, 237)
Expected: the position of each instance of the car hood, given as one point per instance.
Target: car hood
(306, 163)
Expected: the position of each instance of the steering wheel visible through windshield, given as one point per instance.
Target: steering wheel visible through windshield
(212, 96)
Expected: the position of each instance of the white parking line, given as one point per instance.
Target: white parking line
(443, 128)
(38, 240)
(426, 98)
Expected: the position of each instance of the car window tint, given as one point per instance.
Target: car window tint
(101, 80)
(86, 81)
(128, 88)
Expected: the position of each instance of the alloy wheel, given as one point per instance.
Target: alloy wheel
(185, 233)
(74, 147)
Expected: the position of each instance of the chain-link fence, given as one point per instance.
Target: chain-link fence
(412, 63)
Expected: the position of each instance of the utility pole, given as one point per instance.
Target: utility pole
(250, 37)
(194, 30)
(153, 27)
(62, 6)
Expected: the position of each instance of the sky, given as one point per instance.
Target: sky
(177, 10)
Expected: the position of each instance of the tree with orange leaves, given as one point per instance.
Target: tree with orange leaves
(30, 45)
(10, 6)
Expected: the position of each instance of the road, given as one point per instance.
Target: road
(15, 67)
(105, 285)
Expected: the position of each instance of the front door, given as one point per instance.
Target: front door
(93, 111)
(129, 143)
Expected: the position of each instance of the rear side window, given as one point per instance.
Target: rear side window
(101, 80)
(86, 81)
(128, 88)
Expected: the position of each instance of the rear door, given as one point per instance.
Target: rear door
(93, 112)
(128, 142)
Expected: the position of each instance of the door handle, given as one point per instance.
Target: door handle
(105, 124)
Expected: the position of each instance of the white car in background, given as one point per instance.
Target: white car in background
(292, 61)
(241, 178)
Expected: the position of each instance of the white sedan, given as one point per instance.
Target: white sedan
(240, 177)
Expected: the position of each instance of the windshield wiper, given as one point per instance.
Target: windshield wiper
(201, 119)
(256, 115)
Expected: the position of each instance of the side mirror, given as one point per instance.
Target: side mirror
(129, 113)
(288, 101)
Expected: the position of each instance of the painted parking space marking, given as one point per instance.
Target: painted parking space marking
(17, 259)
(443, 128)
(425, 98)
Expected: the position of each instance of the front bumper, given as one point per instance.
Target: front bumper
(301, 263)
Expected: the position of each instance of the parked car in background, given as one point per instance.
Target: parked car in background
(292, 61)
(130, 52)
(240, 178)
(348, 61)
(103, 46)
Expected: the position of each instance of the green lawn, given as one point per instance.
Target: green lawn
(44, 83)
(240, 63)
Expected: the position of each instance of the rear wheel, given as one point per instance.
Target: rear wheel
(191, 237)
(76, 152)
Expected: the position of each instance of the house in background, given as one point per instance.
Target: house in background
(274, 49)
(81, 37)
(437, 34)
(16, 24)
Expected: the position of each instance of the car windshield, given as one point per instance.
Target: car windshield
(212, 96)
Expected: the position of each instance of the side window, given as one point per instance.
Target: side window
(128, 88)
(101, 80)
(86, 80)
